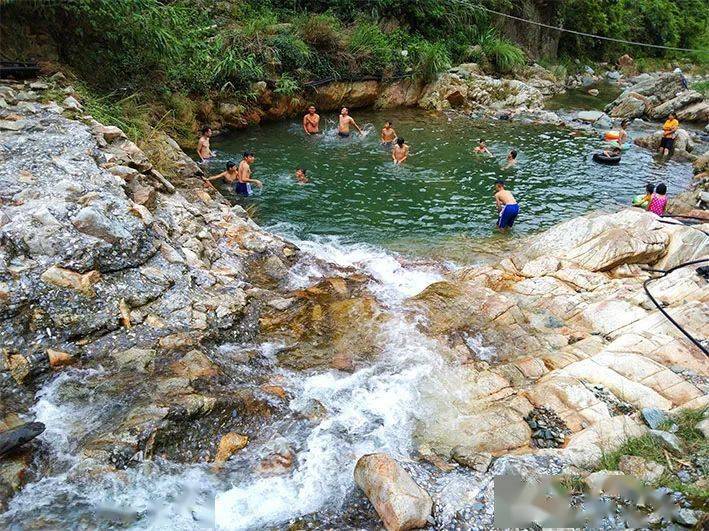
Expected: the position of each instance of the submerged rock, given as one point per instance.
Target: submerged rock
(399, 501)
(19, 435)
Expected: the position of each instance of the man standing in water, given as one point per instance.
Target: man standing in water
(506, 206)
(311, 122)
(388, 136)
(343, 129)
(400, 152)
(243, 185)
(203, 145)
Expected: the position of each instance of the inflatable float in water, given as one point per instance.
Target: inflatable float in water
(601, 158)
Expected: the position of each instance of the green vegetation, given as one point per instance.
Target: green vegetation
(696, 449)
(130, 54)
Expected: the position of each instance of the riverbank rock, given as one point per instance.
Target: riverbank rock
(399, 501)
(474, 91)
(655, 96)
(683, 142)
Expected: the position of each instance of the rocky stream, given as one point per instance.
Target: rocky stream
(193, 370)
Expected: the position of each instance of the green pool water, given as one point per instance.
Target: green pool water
(443, 194)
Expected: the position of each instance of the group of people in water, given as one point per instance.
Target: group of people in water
(239, 175)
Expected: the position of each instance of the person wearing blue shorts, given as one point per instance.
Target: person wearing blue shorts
(506, 205)
(243, 184)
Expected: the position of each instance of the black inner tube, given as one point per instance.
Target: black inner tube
(604, 159)
(659, 307)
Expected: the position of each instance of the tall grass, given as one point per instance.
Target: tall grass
(503, 56)
(431, 59)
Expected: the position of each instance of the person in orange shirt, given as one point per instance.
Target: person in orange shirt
(669, 131)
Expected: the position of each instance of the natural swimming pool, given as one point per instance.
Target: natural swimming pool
(444, 190)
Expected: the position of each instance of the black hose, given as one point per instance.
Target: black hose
(659, 307)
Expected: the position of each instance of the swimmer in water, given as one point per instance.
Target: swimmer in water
(343, 128)
(203, 149)
(511, 160)
(481, 148)
(300, 176)
(506, 205)
(388, 136)
(311, 122)
(230, 175)
(400, 152)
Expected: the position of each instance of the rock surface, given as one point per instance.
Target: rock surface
(656, 96)
(399, 501)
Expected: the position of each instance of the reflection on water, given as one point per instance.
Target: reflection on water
(444, 191)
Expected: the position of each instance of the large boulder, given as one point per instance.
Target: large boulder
(696, 112)
(478, 91)
(399, 501)
(332, 96)
(629, 107)
(680, 101)
(683, 141)
(403, 93)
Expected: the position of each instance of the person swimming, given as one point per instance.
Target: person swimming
(511, 161)
(400, 152)
(343, 128)
(311, 121)
(243, 184)
(230, 175)
(481, 148)
(506, 205)
(300, 175)
(388, 136)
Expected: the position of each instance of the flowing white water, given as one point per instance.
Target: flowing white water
(377, 408)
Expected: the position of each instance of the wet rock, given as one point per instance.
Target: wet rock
(653, 417)
(279, 461)
(470, 457)
(19, 435)
(193, 365)
(593, 92)
(64, 278)
(643, 469)
(229, 444)
(629, 108)
(667, 440)
(399, 501)
(135, 359)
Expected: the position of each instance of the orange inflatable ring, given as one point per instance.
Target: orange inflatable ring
(611, 136)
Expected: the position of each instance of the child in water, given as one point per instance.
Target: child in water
(511, 160)
(300, 176)
(643, 201)
(658, 202)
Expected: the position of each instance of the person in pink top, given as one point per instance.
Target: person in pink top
(658, 202)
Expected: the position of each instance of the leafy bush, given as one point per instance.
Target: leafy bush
(503, 56)
(430, 59)
(370, 48)
(286, 86)
(322, 31)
